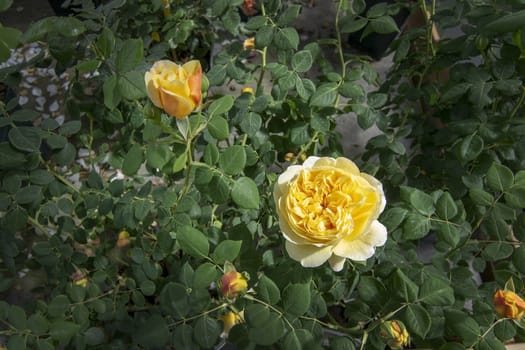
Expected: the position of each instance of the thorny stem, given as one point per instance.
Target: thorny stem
(252, 298)
(306, 147)
(263, 53)
(37, 225)
(59, 176)
(339, 47)
(489, 329)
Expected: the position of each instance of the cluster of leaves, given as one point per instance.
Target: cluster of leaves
(117, 224)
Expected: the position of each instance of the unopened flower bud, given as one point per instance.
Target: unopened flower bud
(123, 239)
(231, 319)
(249, 44)
(232, 283)
(508, 304)
(395, 334)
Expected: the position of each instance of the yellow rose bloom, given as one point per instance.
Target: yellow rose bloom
(174, 88)
(328, 211)
(508, 304)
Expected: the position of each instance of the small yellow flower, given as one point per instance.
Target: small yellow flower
(249, 44)
(328, 211)
(395, 334)
(231, 319)
(508, 304)
(232, 283)
(247, 90)
(81, 282)
(174, 88)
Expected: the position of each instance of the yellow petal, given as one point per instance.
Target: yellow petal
(176, 105)
(363, 247)
(308, 255)
(152, 88)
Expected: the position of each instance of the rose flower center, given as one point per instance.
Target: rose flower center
(325, 205)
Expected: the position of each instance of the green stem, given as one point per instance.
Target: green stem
(221, 306)
(518, 105)
(339, 48)
(59, 176)
(37, 225)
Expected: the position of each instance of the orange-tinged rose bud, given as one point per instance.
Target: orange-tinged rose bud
(508, 304)
(231, 319)
(174, 88)
(395, 334)
(248, 7)
(232, 283)
(123, 239)
(249, 44)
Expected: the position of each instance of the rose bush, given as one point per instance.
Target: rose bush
(158, 212)
(328, 211)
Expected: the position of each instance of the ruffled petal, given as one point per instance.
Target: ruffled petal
(281, 186)
(152, 88)
(310, 162)
(347, 165)
(363, 247)
(336, 263)
(194, 70)
(307, 255)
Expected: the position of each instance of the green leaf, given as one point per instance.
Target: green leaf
(5, 4)
(63, 331)
(17, 317)
(17, 342)
(38, 324)
(255, 22)
(218, 128)
(29, 194)
(174, 300)
(352, 24)
(383, 25)
(508, 23)
(471, 147)
(106, 42)
(25, 115)
(404, 287)
(296, 298)
(158, 155)
(25, 138)
(251, 123)
(436, 292)
(112, 96)
(286, 39)
(131, 85)
(302, 61)
(289, 15)
(227, 250)
(220, 106)
(179, 163)
(505, 330)
(297, 339)
(129, 55)
(518, 259)
(206, 332)
(267, 290)
(58, 306)
(94, 336)
(479, 93)
(393, 217)
(516, 197)
(481, 197)
(152, 332)
(497, 251)
(499, 177)
(454, 92)
(133, 160)
(204, 275)
(421, 201)
(268, 332)
(67, 26)
(231, 20)
(416, 226)
(264, 36)
(183, 337)
(193, 242)
(446, 208)
(490, 344)
(233, 160)
(324, 96)
(147, 287)
(245, 193)
(219, 189)
(458, 324)
(417, 320)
